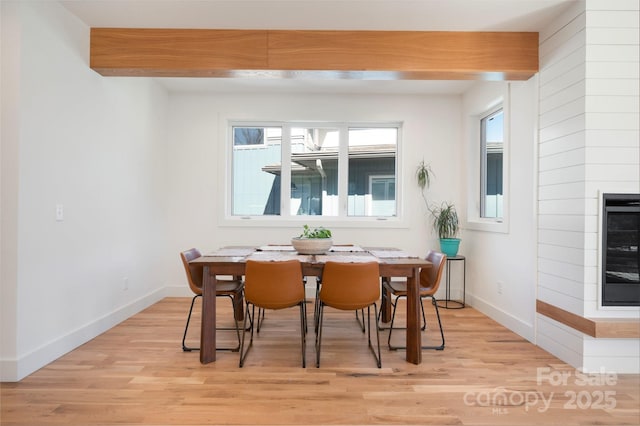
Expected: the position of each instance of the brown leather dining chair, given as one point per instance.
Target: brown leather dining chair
(273, 285)
(224, 288)
(429, 284)
(350, 287)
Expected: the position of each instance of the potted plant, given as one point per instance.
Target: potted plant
(445, 216)
(312, 241)
(447, 225)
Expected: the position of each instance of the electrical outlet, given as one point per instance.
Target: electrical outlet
(59, 212)
(499, 287)
(125, 283)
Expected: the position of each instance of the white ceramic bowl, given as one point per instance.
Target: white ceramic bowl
(311, 245)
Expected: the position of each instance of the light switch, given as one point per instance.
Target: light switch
(59, 212)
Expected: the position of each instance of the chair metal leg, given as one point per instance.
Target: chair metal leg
(250, 318)
(185, 348)
(360, 323)
(319, 333)
(316, 306)
(236, 328)
(393, 318)
(184, 336)
(303, 332)
(440, 347)
(253, 322)
(424, 318)
(434, 303)
(306, 324)
(260, 319)
(378, 357)
(316, 310)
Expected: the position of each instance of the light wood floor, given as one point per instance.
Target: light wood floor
(136, 373)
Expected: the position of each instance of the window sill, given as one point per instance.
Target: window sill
(488, 225)
(328, 221)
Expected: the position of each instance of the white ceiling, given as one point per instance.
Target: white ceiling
(400, 15)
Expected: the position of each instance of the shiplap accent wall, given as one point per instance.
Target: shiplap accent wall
(612, 152)
(588, 144)
(612, 105)
(561, 180)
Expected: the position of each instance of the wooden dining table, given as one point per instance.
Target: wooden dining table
(232, 261)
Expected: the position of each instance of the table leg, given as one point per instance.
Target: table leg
(208, 325)
(385, 307)
(414, 338)
(238, 308)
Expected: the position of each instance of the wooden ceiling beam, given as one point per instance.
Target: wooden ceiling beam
(384, 55)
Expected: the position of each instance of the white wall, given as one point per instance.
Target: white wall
(97, 147)
(431, 130)
(9, 148)
(501, 261)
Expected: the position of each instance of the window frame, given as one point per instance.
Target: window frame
(474, 221)
(285, 217)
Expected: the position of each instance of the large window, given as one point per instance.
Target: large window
(331, 169)
(255, 190)
(491, 165)
(314, 171)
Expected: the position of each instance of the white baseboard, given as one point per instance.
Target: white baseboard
(14, 370)
(515, 324)
(178, 291)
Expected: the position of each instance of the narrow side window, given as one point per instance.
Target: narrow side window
(491, 164)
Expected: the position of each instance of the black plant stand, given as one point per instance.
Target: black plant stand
(447, 303)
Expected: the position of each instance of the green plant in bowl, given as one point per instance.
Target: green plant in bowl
(320, 232)
(312, 241)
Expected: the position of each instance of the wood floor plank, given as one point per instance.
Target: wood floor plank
(137, 373)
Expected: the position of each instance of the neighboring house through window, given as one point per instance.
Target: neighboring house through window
(333, 169)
